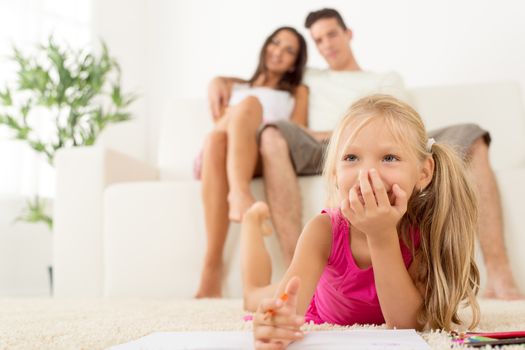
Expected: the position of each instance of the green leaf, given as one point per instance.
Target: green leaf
(37, 146)
(25, 108)
(129, 99)
(19, 58)
(120, 117)
(12, 123)
(35, 212)
(5, 97)
(116, 96)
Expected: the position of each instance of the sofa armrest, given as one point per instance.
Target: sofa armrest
(82, 175)
(155, 240)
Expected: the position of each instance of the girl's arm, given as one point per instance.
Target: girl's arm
(299, 281)
(400, 298)
(377, 218)
(300, 111)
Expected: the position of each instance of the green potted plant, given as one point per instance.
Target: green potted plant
(77, 91)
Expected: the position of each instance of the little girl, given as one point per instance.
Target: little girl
(395, 246)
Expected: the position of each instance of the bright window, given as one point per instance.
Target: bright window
(26, 23)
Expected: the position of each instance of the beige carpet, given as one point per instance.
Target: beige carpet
(98, 324)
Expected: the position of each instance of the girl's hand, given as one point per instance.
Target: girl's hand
(373, 214)
(276, 323)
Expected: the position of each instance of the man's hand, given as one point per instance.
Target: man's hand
(276, 323)
(219, 91)
(371, 211)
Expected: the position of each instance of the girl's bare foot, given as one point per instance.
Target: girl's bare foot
(259, 213)
(239, 202)
(211, 281)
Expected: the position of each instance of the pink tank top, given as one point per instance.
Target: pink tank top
(346, 294)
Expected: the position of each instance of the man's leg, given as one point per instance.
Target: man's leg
(214, 194)
(500, 282)
(282, 190)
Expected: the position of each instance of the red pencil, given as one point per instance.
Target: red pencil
(498, 335)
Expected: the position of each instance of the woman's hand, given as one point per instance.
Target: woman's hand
(373, 213)
(276, 323)
(219, 91)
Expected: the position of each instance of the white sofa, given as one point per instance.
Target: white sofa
(127, 228)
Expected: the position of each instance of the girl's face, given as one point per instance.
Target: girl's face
(281, 52)
(374, 146)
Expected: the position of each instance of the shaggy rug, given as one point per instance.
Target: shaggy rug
(101, 323)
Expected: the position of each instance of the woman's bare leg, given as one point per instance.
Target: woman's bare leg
(256, 265)
(243, 154)
(214, 199)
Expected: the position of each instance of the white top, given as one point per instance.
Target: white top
(276, 104)
(332, 93)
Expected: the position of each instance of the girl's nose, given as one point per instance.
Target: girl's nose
(366, 171)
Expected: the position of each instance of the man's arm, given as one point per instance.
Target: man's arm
(219, 92)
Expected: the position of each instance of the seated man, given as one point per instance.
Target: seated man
(288, 150)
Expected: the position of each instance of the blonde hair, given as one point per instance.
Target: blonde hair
(445, 212)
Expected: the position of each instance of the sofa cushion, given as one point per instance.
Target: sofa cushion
(497, 107)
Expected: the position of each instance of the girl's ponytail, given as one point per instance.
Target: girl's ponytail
(446, 214)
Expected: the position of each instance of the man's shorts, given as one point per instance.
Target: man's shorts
(307, 153)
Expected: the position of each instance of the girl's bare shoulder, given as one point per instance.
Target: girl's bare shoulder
(318, 233)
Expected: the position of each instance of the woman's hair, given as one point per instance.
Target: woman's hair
(290, 80)
(445, 212)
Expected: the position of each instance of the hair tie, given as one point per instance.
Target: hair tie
(430, 143)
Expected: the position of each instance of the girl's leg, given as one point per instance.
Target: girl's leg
(256, 266)
(214, 199)
(243, 121)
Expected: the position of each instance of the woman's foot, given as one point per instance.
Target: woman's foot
(211, 281)
(239, 203)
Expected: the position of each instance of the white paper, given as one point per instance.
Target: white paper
(406, 339)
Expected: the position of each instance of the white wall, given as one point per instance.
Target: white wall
(185, 43)
(123, 26)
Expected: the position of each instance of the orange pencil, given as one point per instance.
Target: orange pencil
(271, 312)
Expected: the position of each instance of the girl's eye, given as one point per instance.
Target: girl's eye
(390, 158)
(350, 157)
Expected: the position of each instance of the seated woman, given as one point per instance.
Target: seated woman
(230, 157)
